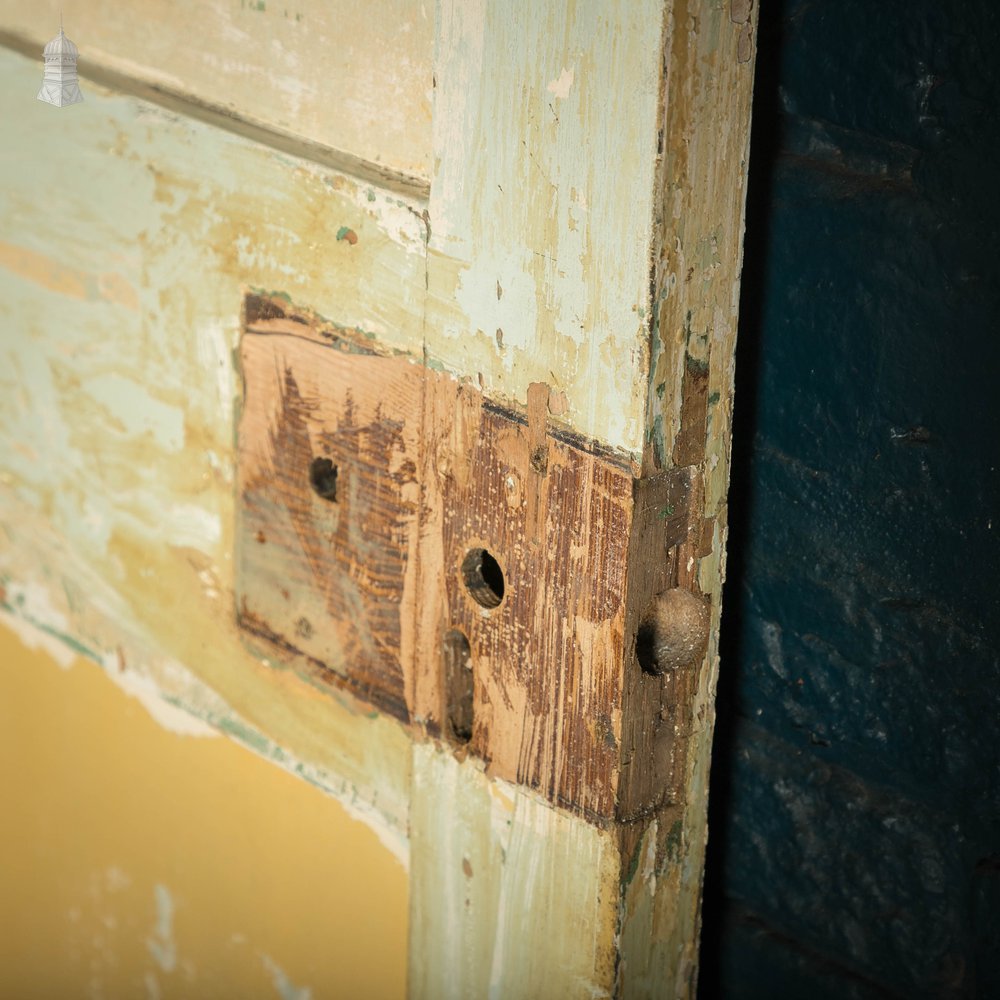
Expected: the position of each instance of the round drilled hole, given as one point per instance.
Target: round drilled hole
(323, 478)
(483, 578)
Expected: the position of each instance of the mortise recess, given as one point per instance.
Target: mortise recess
(645, 645)
(466, 567)
(457, 655)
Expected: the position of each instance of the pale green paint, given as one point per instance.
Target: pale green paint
(509, 898)
(129, 237)
(545, 125)
(355, 78)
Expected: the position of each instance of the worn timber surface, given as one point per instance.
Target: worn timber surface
(392, 518)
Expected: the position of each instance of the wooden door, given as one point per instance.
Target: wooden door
(508, 234)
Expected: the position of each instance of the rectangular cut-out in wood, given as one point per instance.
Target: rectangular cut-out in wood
(466, 566)
(328, 498)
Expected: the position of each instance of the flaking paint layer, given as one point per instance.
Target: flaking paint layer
(130, 237)
(542, 203)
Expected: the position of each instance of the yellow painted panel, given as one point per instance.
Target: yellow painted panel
(140, 862)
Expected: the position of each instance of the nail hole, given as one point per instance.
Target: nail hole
(483, 578)
(323, 478)
(457, 656)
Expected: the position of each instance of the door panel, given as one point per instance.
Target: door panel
(562, 257)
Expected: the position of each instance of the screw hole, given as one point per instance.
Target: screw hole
(483, 578)
(323, 478)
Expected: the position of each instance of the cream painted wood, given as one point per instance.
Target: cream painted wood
(510, 898)
(355, 77)
(545, 130)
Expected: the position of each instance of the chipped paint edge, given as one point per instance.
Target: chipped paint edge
(40, 627)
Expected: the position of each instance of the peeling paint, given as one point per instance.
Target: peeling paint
(521, 197)
(35, 638)
(536, 872)
(182, 704)
(124, 872)
(148, 295)
(251, 60)
(116, 486)
(161, 942)
(54, 276)
(214, 345)
(137, 411)
(171, 717)
(284, 987)
(560, 87)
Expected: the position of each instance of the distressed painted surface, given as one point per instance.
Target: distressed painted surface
(354, 77)
(133, 235)
(128, 238)
(510, 898)
(697, 255)
(588, 163)
(139, 862)
(542, 200)
(117, 482)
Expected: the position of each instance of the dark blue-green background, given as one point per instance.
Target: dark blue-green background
(855, 815)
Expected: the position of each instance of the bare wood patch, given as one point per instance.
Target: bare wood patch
(689, 445)
(458, 564)
(328, 498)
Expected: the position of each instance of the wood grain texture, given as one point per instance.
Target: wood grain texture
(363, 589)
(321, 566)
(533, 292)
(708, 59)
(547, 661)
(654, 747)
